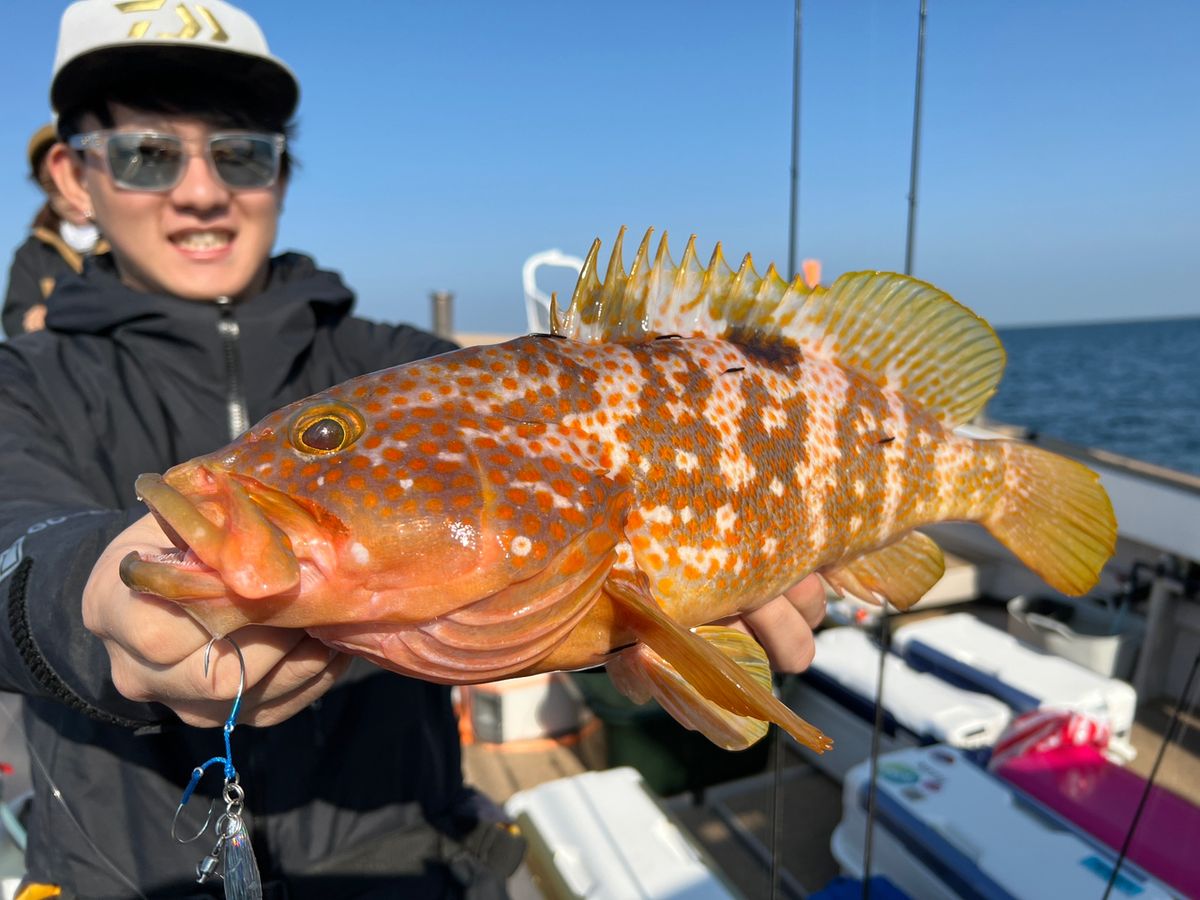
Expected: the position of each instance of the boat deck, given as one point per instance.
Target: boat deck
(733, 821)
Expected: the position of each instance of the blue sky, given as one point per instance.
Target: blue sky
(443, 143)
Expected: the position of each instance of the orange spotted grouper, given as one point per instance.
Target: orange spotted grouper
(686, 444)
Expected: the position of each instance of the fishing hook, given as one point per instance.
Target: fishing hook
(230, 775)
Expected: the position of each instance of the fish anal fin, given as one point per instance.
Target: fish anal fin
(708, 671)
(900, 573)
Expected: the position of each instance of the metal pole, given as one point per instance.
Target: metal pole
(794, 205)
(443, 317)
(916, 146)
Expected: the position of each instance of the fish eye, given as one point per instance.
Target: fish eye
(326, 430)
(327, 434)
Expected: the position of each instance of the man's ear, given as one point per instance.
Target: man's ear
(66, 168)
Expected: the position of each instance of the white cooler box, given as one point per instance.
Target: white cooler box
(972, 654)
(837, 694)
(602, 836)
(947, 830)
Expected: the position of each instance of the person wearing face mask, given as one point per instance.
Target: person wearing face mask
(60, 237)
(187, 332)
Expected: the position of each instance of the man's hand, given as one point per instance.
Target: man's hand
(157, 650)
(784, 626)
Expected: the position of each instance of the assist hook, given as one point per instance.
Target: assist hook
(231, 776)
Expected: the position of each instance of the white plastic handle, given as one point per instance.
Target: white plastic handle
(537, 304)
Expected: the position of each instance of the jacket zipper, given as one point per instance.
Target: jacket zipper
(235, 399)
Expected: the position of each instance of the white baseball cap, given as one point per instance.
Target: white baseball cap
(99, 36)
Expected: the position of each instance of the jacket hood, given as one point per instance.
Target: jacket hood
(96, 301)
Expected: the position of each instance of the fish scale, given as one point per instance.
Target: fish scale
(689, 442)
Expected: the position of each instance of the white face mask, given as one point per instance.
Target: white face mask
(80, 238)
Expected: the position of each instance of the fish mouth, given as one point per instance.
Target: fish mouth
(227, 535)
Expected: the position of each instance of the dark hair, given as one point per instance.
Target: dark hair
(220, 102)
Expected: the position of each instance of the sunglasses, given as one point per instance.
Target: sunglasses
(153, 161)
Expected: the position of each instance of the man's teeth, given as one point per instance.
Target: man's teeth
(203, 240)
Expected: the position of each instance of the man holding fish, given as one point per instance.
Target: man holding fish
(175, 141)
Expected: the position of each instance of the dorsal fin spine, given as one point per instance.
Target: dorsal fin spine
(897, 331)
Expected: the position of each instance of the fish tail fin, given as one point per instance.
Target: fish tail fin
(1055, 516)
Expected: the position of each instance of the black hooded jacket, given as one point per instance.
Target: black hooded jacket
(122, 383)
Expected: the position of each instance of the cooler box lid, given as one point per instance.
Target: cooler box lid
(601, 836)
(965, 651)
(981, 838)
(923, 704)
(1083, 787)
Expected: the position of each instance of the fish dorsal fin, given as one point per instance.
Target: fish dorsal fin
(901, 333)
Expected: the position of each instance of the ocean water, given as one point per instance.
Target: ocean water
(1127, 387)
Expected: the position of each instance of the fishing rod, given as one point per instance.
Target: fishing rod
(885, 625)
(914, 165)
(778, 745)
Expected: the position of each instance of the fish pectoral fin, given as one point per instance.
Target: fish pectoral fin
(901, 573)
(709, 680)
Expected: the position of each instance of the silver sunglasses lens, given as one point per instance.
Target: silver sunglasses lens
(247, 160)
(145, 162)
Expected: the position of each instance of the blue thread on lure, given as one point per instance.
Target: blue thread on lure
(232, 857)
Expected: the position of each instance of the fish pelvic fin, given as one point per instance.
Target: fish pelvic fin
(641, 674)
(708, 680)
(900, 332)
(900, 573)
(1055, 516)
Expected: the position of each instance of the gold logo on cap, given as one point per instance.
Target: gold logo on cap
(191, 24)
